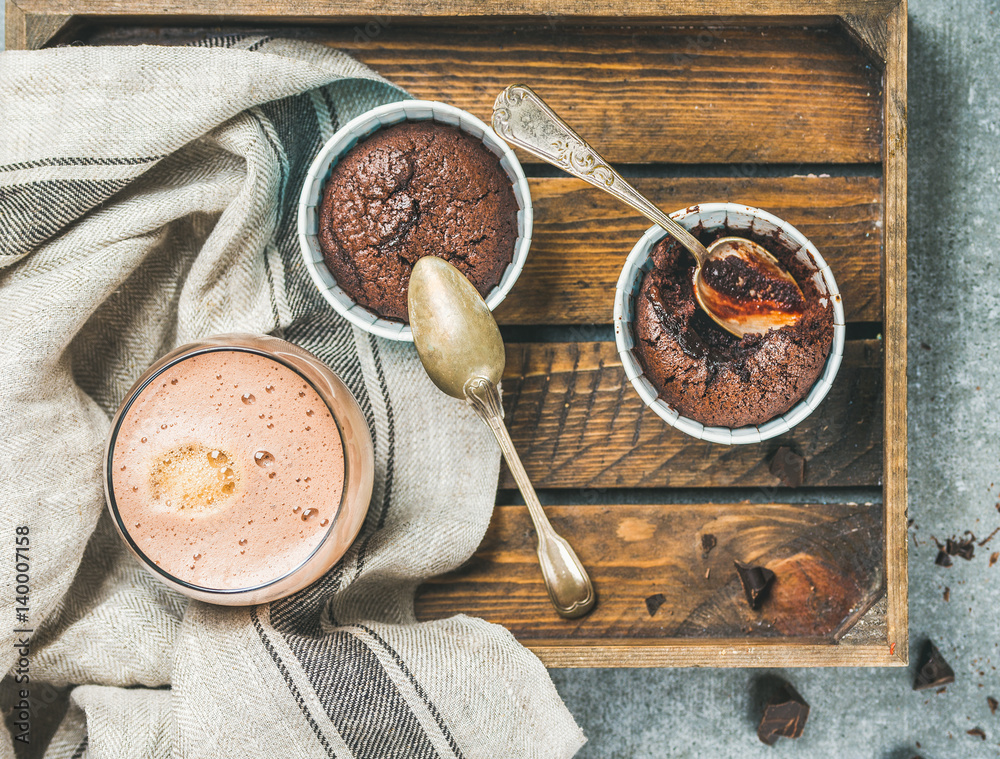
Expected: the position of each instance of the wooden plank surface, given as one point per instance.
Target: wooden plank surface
(715, 652)
(644, 93)
(768, 10)
(826, 559)
(582, 236)
(648, 94)
(578, 423)
(894, 283)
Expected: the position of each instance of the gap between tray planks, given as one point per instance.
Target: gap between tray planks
(582, 237)
(577, 423)
(635, 551)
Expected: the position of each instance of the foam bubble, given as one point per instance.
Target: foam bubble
(188, 478)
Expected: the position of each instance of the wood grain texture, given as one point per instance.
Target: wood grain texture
(827, 561)
(770, 11)
(15, 37)
(721, 652)
(894, 285)
(653, 94)
(577, 422)
(31, 30)
(869, 25)
(582, 236)
(642, 93)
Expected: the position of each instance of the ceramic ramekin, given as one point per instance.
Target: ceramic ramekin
(713, 216)
(346, 138)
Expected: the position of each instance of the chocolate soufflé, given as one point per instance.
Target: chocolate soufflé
(709, 375)
(411, 190)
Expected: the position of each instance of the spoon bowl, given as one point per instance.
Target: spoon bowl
(460, 346)
(454, 332)
(744, 288)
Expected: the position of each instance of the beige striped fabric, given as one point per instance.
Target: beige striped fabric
(147, 199)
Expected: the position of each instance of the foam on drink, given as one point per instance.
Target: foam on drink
(217, 463)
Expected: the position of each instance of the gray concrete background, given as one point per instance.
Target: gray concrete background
(954, 409)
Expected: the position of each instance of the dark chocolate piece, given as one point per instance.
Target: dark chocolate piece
(708, 542)
(992, 703)
(994, 557)
(788, 466)
(755, 582)
(784, 715)
(654, 602)
(977, 732)
(943, 559)
(934, 672)
(964, 549)
(947, 594)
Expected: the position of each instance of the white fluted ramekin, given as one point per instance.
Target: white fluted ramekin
(346, 138)
(736, 218)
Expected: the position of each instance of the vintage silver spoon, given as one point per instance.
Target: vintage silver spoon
(747, 290)
(460, 346)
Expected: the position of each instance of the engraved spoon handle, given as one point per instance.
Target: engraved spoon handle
(523, 119)
(568, 584)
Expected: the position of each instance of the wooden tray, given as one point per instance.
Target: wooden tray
(793, 106)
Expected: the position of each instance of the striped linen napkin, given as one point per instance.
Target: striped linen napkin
(147, 199)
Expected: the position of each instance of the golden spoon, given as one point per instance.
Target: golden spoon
(460, 346)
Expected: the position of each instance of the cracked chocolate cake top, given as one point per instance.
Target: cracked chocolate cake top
(415, 189)
(710, 375)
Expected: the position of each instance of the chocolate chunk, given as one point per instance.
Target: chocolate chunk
(977, 732)
(654, 602)
(708, 542)
(788, 466)
(992, 703)
(784, 715)
(994, 557)
(964, 549)
(934, 672)
(755, 581)
(947, 594)
(943, 559)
